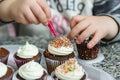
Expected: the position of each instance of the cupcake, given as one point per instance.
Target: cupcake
(85, 53)
(59, 50)
(4, 54)
(31, 71)
(70, 70)
(27, 53)
(6, 72)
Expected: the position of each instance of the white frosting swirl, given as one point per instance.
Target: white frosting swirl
(60, 46)
(76, 74)
(60, 51)
(27, 51)
(3, 69)
(31, 71)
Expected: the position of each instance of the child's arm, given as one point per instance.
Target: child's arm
(99, 27)
(25, 11)
(109, 8)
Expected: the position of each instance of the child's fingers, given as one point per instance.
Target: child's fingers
(75, 20)
(30, 17)
(43, 4)
(85, 34)
(21, 19)
(96, 38)
(39, 13)
(78, 29)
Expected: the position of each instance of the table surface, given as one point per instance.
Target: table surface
(111, 52)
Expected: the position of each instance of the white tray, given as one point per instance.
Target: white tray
(93, 72)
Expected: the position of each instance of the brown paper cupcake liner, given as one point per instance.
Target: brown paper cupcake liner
(85, 53)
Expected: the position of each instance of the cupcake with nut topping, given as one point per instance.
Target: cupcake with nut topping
(70, 70)
(59, 50)
(27, 53)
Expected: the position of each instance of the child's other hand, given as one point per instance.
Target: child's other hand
(96, 26)
(27, 11)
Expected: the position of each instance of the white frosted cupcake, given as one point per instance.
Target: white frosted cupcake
(31, 71)
(27, 53)
(70, 70)
(59, 50)
(6, 72)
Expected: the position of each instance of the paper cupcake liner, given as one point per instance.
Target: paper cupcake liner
(52, 64)
(21, 62)
(4, 59)
(85, 53)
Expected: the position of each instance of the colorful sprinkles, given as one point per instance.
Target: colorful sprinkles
(69, 65)
(61, 42)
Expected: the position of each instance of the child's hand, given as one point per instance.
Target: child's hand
(26, 11)
(96, 26)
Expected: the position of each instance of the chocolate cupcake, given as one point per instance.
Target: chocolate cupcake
(85, 53)
(31, 71)
(27, 53)
(70, 70)
(4, 54)
(59, 50)
(6, 72)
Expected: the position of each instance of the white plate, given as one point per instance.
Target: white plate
(93, 72)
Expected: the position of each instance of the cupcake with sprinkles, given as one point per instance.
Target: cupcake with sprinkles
(70, 70)
(59, 50)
